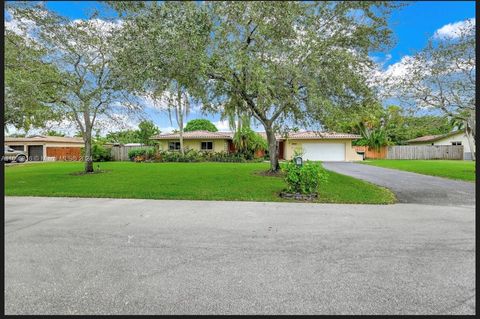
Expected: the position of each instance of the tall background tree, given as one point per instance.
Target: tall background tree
(161, 49)
(200, 124)
(81, 51)
(441, 77)
(147, 129)
(392, 123)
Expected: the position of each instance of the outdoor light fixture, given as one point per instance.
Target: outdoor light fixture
(298, 161)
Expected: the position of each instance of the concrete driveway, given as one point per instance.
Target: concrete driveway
(411, 187)
(114, 256)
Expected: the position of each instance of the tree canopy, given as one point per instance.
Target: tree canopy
(288, 63)
(200, 124)
(81, 51)
(31, 83)
(441, 77)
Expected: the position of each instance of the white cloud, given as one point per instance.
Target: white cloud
(222, 125)
(400, 68)
(168, 129)
(453, 30)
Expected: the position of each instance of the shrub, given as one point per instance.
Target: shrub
(142, 153)
(99, 153)
(304, 179)
(198, 156)
(248, 142)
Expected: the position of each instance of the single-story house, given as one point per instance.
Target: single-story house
(453, 138)
(319, 146)
(45, 148)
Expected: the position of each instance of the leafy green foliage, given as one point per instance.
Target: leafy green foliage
(99, 153)
(247, 142)
(30, 84)
(200, 124)
(380, 125)
(304, 179)
(54, 133)
(199, 156)
(147, 129)
(123, 137)
(373, 138)
(284, 63)
(142, 153)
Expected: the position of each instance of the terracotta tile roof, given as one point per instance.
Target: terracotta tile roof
(425, 138)
(229, 135)
(46, 139)
(432, 138)
(321, 135)
(195, 135)
(277, 136)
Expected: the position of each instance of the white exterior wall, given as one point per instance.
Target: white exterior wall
(460, 137)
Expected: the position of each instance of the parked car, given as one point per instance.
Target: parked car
(10, 155)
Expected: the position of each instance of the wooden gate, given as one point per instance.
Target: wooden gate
(120, 152)
(372, 153)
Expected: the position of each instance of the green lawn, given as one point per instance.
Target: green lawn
(207, 181)
(463, 170)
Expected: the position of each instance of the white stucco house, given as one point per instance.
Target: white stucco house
(452, 138)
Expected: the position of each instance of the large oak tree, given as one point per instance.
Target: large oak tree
(285, 63)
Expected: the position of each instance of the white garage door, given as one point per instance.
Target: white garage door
(324, 151)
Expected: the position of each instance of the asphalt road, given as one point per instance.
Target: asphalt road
(114, 256)
(411, 187)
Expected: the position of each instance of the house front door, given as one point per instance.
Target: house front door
(281, 150)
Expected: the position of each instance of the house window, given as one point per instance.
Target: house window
(206, 146)
(457, 143)
(173, 146)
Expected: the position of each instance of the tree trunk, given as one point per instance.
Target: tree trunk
(88, 153)
(180, 118)
(471, 141)
(272, 149)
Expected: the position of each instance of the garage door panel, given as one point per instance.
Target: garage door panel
(324, 151)
(64, 153)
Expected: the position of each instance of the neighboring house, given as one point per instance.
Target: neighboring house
(43, 148)
(320, 146)
(452, 138)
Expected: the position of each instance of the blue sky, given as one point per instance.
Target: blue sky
(412, 26)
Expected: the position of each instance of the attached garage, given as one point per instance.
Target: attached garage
(324, 151)
(35, 153)
(48, 148)
(321, 146)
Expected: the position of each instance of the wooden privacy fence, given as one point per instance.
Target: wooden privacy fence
(372, 153)
(120, 152)
(425, 152)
